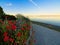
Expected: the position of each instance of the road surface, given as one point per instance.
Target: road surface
(45, 36)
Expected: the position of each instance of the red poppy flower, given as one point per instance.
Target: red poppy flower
(19, 34)
(29, 26)
(22, 29)
(11, 40)
(25, 25)
(14, 22)
(10, 22)
(13, 27)
(8, 27)
(6, 38)
(5, 34)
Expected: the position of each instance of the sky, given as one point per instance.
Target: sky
(31, 7)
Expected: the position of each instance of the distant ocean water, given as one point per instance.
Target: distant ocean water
(53, 22)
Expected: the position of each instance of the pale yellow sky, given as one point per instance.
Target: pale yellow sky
(47, 17)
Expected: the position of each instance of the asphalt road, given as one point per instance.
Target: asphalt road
(45, 36)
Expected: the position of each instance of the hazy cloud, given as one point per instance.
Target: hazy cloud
(8, 4)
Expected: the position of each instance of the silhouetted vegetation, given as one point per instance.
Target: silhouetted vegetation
(1, 11)
(3, 16)
(9, 17)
